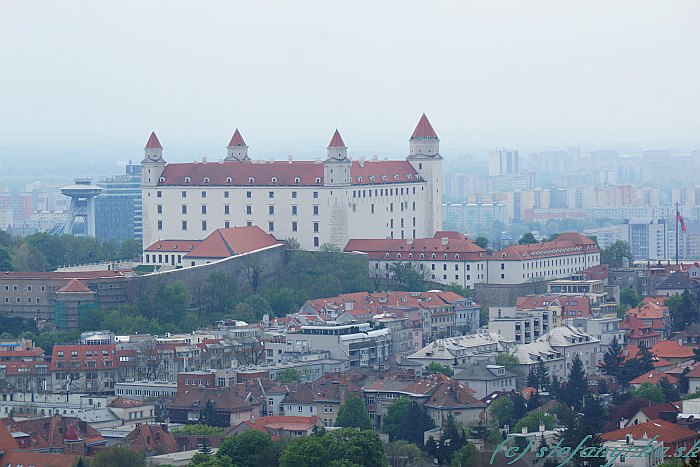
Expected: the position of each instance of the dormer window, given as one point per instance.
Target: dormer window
(359, 179)
(456, 256)
(398, 255)
(188, 179)
(274, 179)
(384, 178)
(396, 177)
(161, 179)
(297, 180)
(318, 179)
(444, 256)
(371, 178)
(387, 255)
(422, 255)
(503, 255)
(206, 179)
(410, 255)
(433, 256)
(229, 180)
(409, 176)
(251, 179)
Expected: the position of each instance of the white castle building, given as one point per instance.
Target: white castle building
(315, 202)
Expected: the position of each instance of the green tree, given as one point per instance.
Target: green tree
(543, 380)
(576, 388)
(288, 375)
(435, 368)
(683, 310)
(467, 456)
(671, 392)
(357, 448)
(629, 298)
(283, 300)
(204, 460)
(407, 277)
(130, 249)
(5, 260)
(527, 239)
(613, 358)
(259, 305)
(651, 392)
(403, 451)
(353, 414)
(576, 431)
(594, 412)
(118, 457)
(29, 258)
(330, 248)
(307, 451)
(244, 312)
(482, 242)
(220, 292)
(512, 364)
(251, 448)
(407, 420)
(207, 416)
(200, 429)
(502, 409)
(532, 422)
(614, 254)
(293, 244)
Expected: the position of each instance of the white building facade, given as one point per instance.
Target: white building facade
(315, 202)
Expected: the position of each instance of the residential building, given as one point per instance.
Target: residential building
(568, 254)
(83, 368)
(461, 350)
(229, 407)
(571, 342)
(521, 326)
(447, 258)
(504, 162)
(672, 436)
(485, 378)
(532, 354)
(316, 202)
(604, 328)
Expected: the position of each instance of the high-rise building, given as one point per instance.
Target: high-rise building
(647, 238)
(118, 208)
(315, 202)
(504, 162)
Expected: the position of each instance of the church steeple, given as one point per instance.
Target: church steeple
(336, 148)
(237, 150)
(424, 141)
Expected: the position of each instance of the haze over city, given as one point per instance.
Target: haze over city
(87, 82)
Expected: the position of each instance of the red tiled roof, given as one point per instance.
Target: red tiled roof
(236, 139)
(124, 403)
(174, 245)
(153, 142)
(96, 355)
(458, 248)
(671, 349)
(543, 250)
(424, 129)
(667, 432)
(575, 238)
(284, 173)
(653, 377)
(74, 286)
(71, 434)
(581, 306)
(150, 439)
(223, 243)
(336, 141)
(654, 411)
(24, 368)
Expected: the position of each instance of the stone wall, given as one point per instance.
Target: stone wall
(267, 261)
(504, 294)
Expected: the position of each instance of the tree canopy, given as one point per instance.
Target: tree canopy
(353, 414)
(118, 457)
(527, 239)
(248, 449)
(614, 254)
(407, 420)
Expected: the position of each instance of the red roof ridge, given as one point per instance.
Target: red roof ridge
(336, 140)
(74, 286)
(71, 434)
(237, 139)
(153, 142)
(424, 129)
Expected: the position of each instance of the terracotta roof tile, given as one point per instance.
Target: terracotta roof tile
(668, 432)
(424, 129)
(336, 141)
(671, 349)
(236, 140)
(457, 248)
(223, 243)
(153, 142)
(174, 245)
(653, 377)
(74, 286)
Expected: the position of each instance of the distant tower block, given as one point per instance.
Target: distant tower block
(82, 206)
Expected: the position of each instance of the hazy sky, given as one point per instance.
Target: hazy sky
(93, 75)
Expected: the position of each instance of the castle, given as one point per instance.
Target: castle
(314, 202)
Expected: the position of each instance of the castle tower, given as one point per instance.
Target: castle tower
(237, 150)
(424, 156)
(336, 167)
(73, 444)
(153, 164)
(336, 173)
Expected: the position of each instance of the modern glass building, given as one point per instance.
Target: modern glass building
(118, 207)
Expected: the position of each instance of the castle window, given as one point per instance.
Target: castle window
(206, 179)
(456, 256)
(318, 179)
(371, 178)
(249, 194)
(433, 256)
(159, 194)
(225, 194)
(386, 255)
(160, 225)
(274, 179)
(398, 255)
(228, 180)
(410, 255)
(188, 179)
(271, 194)
(184, 225)
(162, 179)
(384, 178)
(251, 179)
(204, 194)
(422, 255)
(396, 177)
(184, 194)
(359, 179)
(296, 180)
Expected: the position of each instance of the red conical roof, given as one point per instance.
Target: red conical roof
(74, 286)
(424, 129)
(153, 142)
(336, 141)
(71, 434)
(236, 139)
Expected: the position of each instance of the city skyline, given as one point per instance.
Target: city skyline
(505, 75)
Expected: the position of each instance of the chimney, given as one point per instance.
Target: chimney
(204, 159)
(541, 427)
(622, 423)
(290, 158)
(444, 241)
(524, 430)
